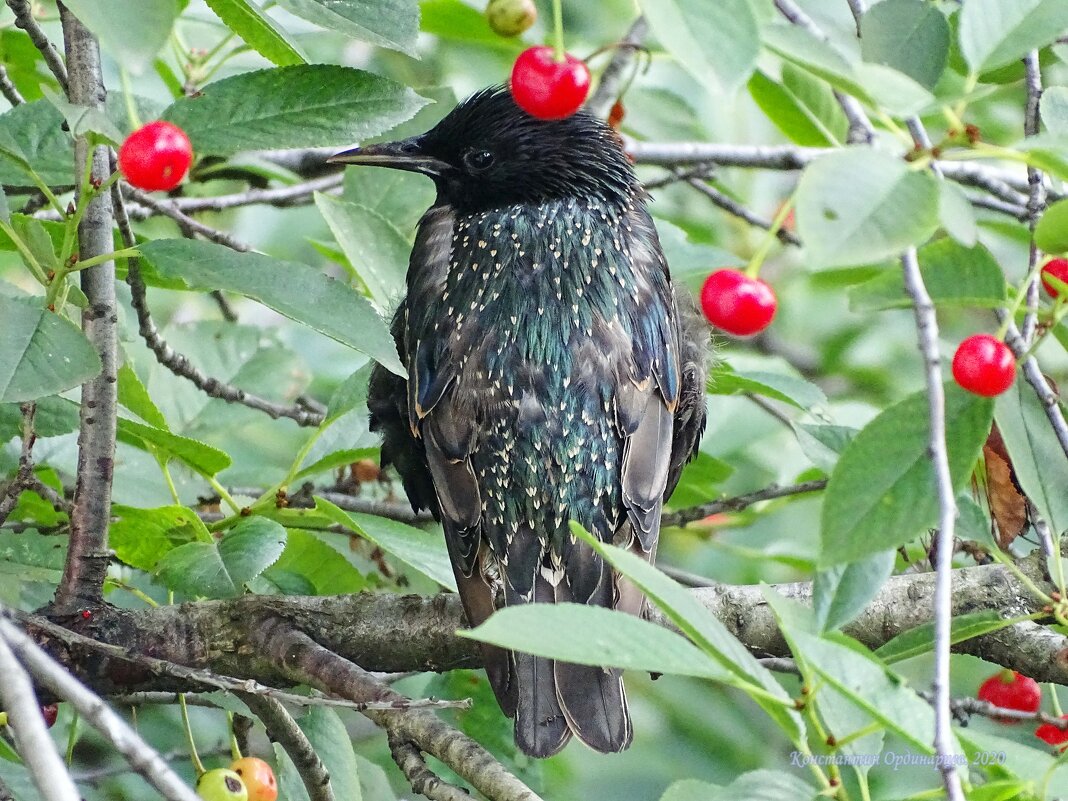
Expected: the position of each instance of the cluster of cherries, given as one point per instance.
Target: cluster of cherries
(1008, 689)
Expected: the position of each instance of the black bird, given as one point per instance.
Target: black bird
(552, 376)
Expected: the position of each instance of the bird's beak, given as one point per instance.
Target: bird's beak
(406, 154)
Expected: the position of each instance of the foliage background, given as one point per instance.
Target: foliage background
(835, 361)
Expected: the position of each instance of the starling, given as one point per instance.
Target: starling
(553, 375)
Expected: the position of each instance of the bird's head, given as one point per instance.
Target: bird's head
(488, 153)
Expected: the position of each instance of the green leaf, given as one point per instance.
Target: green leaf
(859, 206)
(796, 391)
(957, 215)
(954, 276)
(708, 633)
(401, 197)
(864, 681)
(718, 43)
(882, 491)
(376, 250)
(1037, 458)
(31, 565)
(593, 635)
(221, 570)
(841, 592)
(54, 417)
(994, 33)
(1054, 109)
(134, 396)
(790, 112)
(757, 785)
(1051, 233)
(699, 480)
(798, 46)
(314, 105)
(131, 30)
(911, 37)
(205, 459)
(31, 134)
(36, 238)
(457, 21)
(83, 120)
(893, 91)
(920, 639)
(328, 306)
(350, 394)
(823, 444)
(331, 742)
(43, 352)
(326, 570)
(386, 23)
(421, 550)
(141, 537)
(259, 31)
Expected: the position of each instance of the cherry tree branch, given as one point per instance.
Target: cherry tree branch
(87, 557)
(282, 729)
(24, 19)
(8, 89)
(24, 475)
(54, 677)
(304, 660)
(1036, 199)
(927, 332)
(35, 746)
(614, 76)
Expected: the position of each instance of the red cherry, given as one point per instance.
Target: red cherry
(258, 778)
(50, 713)
(1011, 690)
(983, 364)
(1058, 268)
(156, 156)
(86, 614)
(546, 88)
(1053, 735)
(736, 303)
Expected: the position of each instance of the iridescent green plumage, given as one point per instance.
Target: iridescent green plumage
(550, 379)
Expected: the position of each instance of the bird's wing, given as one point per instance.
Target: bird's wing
(645, 406)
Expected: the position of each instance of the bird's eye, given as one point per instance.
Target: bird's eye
(478, 160)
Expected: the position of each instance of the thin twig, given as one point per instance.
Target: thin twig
(8, 89)
(24, 19)
(731, 206)
(856, 7)
(168, 209)
(860, 127)
(1036, 198)
(964, 707)
(92, 710)
(1033, 375)
(615, 74)
(279, 196)
(927, 333)
(35, 746)
(86, 565)
(739, 502)
(282, 729)
(24, 476)
(178, 363)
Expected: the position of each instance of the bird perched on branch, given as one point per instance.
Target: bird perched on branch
(552, 376)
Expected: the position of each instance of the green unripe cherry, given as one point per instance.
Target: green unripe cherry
(511, 17)
(221, 784)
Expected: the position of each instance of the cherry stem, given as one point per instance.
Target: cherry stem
(198, 766)
(1010, 318)
(558, 28)
(752, 269)
(235, 749)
